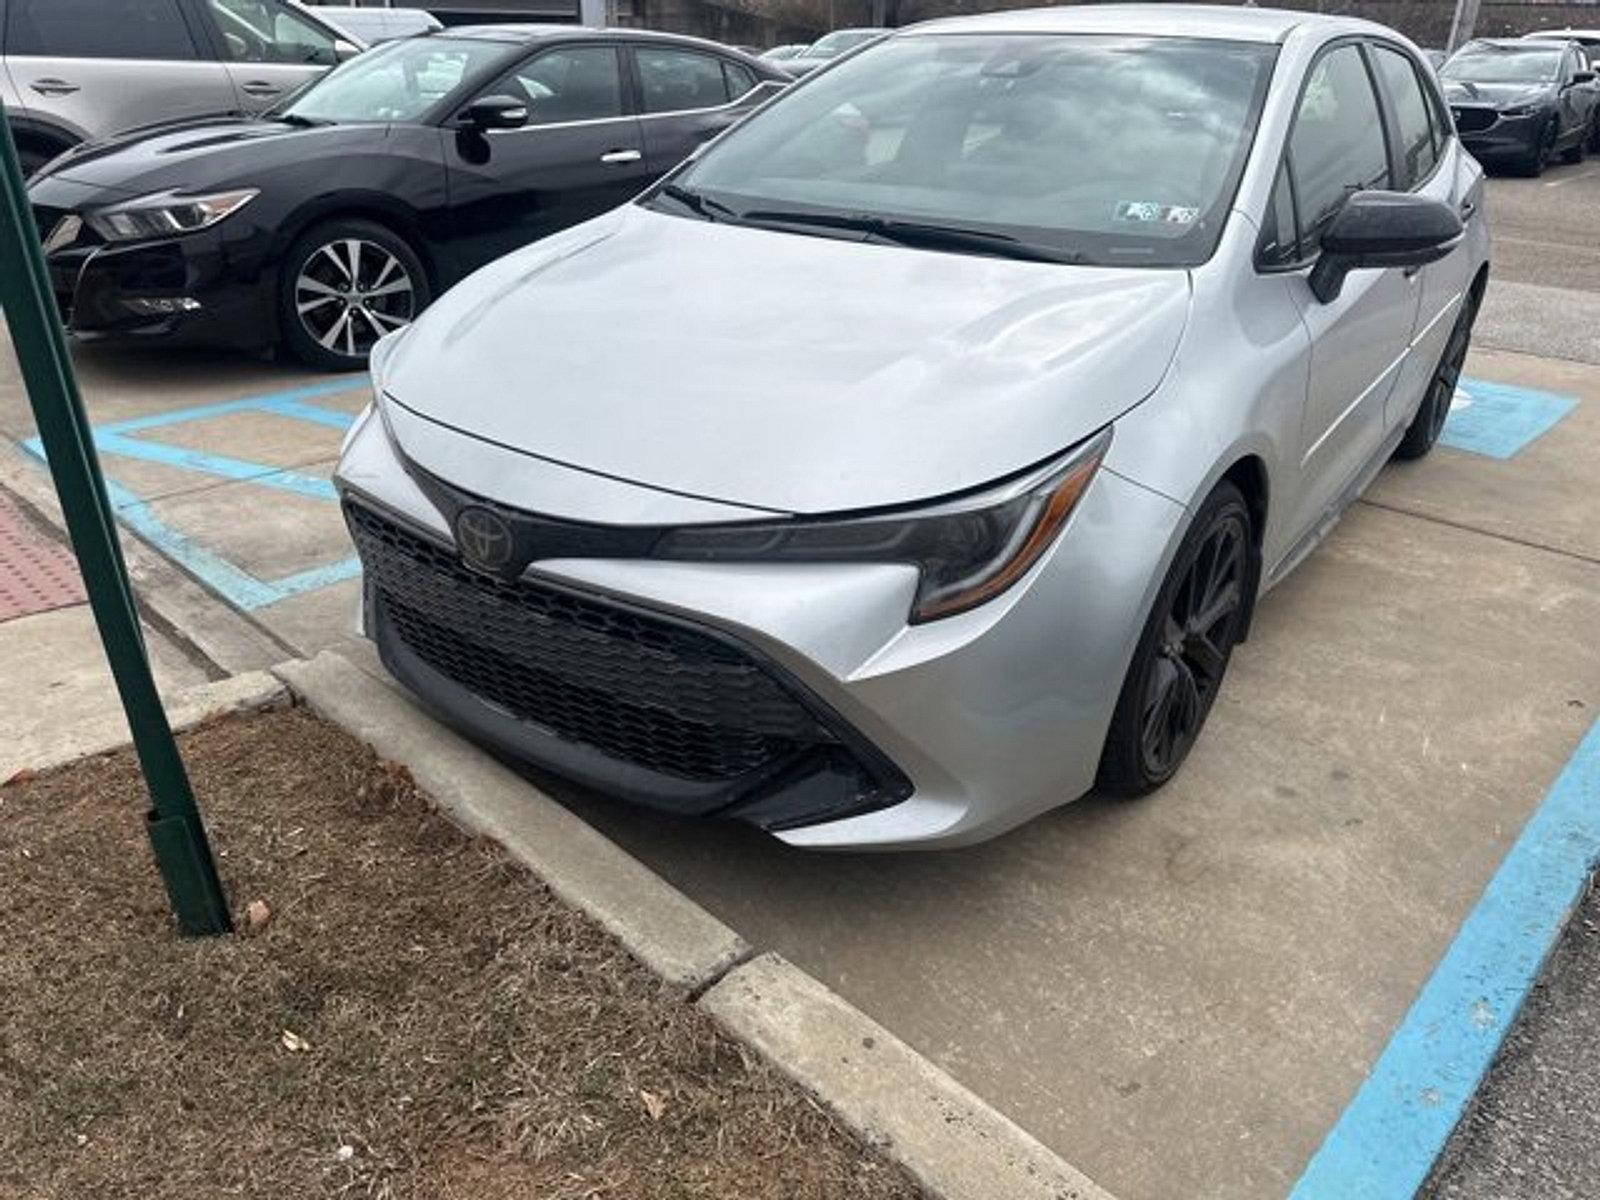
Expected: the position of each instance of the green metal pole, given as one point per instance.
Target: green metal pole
(177, 833)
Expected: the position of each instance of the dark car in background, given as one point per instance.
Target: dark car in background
(1520, 102)
(335, 219)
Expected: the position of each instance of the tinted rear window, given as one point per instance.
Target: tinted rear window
(98, 29)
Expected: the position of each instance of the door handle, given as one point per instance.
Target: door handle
(257, 87)
(53, 87)
(620, 156)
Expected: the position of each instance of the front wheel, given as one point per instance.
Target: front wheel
(345, 284)
(1574, 153)
(1183, 652)
(1425, 428)
(1538, 154)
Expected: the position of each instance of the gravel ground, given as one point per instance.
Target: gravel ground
(1533, 1131)
(412, 1016)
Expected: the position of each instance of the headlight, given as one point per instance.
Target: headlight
(967, 551)
(165, 214)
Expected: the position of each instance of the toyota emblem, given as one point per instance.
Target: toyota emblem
(484, 538)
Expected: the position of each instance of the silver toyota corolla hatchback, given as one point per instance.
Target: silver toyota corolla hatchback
(911, 460)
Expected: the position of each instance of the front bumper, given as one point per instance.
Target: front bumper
(930, 735)
(199, 289)
(1487, 134)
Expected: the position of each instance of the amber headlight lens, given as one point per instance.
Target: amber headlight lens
(967, 551)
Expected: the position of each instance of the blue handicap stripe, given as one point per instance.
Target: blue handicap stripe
(1500, 421)
(1388, 1139)
(201, 412)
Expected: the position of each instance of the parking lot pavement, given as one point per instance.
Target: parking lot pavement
(1178, 995)
(221, 463)
(1533, 1133)
(1546, 294)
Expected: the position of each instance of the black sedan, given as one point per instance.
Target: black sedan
(1519, 103)
(335, 219)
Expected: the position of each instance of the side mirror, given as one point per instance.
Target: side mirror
(1383, 229)
(495, 112)
(762, 92)
(344, 51)
(1583, 77)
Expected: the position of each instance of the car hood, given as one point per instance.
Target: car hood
(781, 371)
(1497, 95)
(196, 155)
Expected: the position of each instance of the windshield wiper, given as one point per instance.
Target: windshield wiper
(919, 234)
(698, 203)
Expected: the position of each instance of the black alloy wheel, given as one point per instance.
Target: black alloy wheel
(1183, 653)
(345, 284)
(1423, 432)
(1539, 152)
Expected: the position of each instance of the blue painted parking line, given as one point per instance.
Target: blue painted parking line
(1394, 1130)
(241, 588)
(1500, 421)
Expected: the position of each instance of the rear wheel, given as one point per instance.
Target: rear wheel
(1183, 652)
(1428, 424)
(344, 284)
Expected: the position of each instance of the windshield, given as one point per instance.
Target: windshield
(834, 44)
(399, 81)
(1108, 150)
(1484, 62)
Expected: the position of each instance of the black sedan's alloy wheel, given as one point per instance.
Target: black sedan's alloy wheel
(346, 284)
(1183, 653)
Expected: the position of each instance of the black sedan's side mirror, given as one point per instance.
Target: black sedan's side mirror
(495, 112)
(1383, 229)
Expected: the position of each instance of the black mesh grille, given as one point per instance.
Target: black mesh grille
(662, 696)
(1473, 120)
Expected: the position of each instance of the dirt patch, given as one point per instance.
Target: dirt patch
(419, 1018)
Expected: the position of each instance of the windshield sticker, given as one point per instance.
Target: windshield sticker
(1145, 212)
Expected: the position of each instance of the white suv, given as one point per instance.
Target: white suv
(75, 70)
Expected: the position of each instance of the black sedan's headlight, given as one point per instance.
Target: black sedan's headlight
(967, 550)
(166, 214)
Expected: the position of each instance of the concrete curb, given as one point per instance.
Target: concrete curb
(952, 1142)
(191, 707)
(664, 929)
(955, 1145)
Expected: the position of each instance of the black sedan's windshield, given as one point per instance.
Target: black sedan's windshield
(1485, 62)
(399, 81)
(1082, 148)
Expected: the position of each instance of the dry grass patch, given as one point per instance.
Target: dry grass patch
(419, 1018)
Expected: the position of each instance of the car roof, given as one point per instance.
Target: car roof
(529, 33)
(1226, 23)
(1515, 43)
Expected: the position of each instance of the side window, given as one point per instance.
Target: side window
(1337, 145)
(147, 29)
(266, 31)
(575, 83)
(674, 80)
(1279, 236)
(1417, 150)
(739, 79)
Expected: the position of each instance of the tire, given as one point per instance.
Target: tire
(328, 317)
(1594, 132)
(1574, 154)
(1423, 432)
(1538, 154)
(1184, 649)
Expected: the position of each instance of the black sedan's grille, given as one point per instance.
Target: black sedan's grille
(1473, 120)
(647, 690)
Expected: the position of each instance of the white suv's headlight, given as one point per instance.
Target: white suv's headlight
(165, 214)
